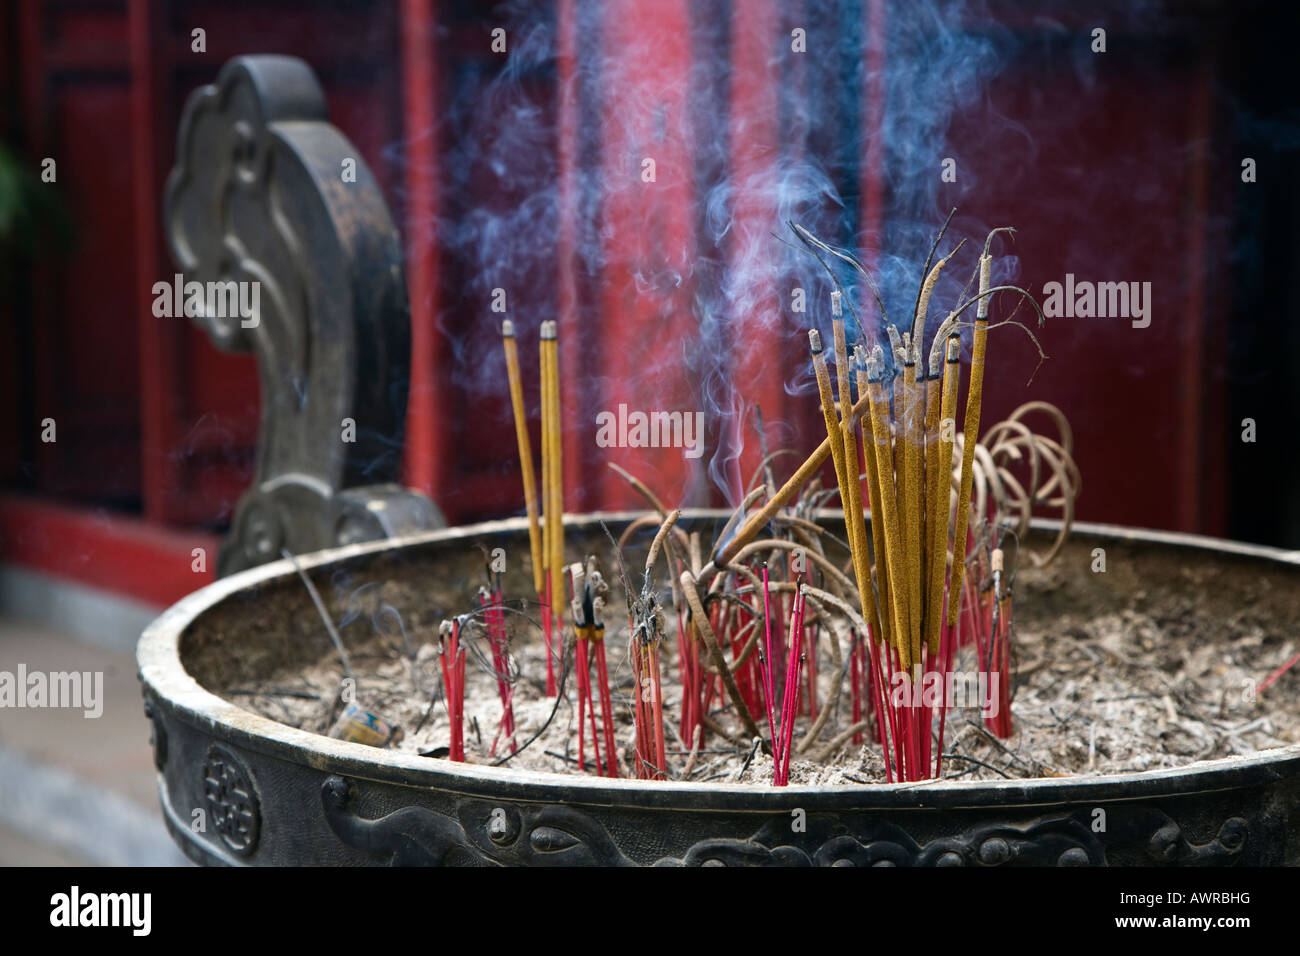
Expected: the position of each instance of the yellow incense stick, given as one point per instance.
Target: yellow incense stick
(940, 491)
(914, 412)
(525, 450)
(851, 491)
(544, 376)
(555, 507)
(929, 475)
(894, 560)
(970, 433)
(833, 433)
(873, 497)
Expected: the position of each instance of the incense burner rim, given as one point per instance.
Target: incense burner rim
(167, 682)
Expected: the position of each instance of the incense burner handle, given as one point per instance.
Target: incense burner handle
(274, 208)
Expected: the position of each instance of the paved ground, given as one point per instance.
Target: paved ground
(76, 789)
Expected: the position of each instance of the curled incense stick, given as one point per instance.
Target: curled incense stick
(701, 619)
(727, 549)
(896, 347)
(946, 329)
(525, 450)
(657, 544)
(923, 302)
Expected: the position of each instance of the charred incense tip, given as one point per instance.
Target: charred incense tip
(815, 341)
(946, 332)
(996, 561)
(507, 329)
(876, 365)
(986, 273)
(859, 357)
(954, 349)
(895, 344)
(548, 330)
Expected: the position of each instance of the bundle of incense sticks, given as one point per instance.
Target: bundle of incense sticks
(494, 619)
(546, 541)
(545, 531)
(645, 620)
(453, 683)
(782, 734)
(588, 599)
(907, 449)
(647, 712)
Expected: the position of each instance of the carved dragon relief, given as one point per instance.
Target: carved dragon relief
(259, 195)
(484, 833)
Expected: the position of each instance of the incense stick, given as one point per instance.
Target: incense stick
(889, 516)
(932, 480)
(525, 450)
(970, 429)
(335, 638)
(856, 523)
(556, 505)
(940, 493)
(812, 464)
(545, 593)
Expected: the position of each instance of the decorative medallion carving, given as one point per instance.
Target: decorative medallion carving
(231, 801)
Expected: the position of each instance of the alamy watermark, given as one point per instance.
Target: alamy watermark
(209, 300)
(637, 429)
(74, 908)
(57, 689)
(956, 689)
(1102, 300)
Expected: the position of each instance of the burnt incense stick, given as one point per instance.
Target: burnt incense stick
(333, 632)
(836, 435)
(873, 500)
(923, 298)
(855, 524)
(894, 560)
(525, 450)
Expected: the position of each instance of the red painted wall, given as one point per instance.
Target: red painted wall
(153, 420)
